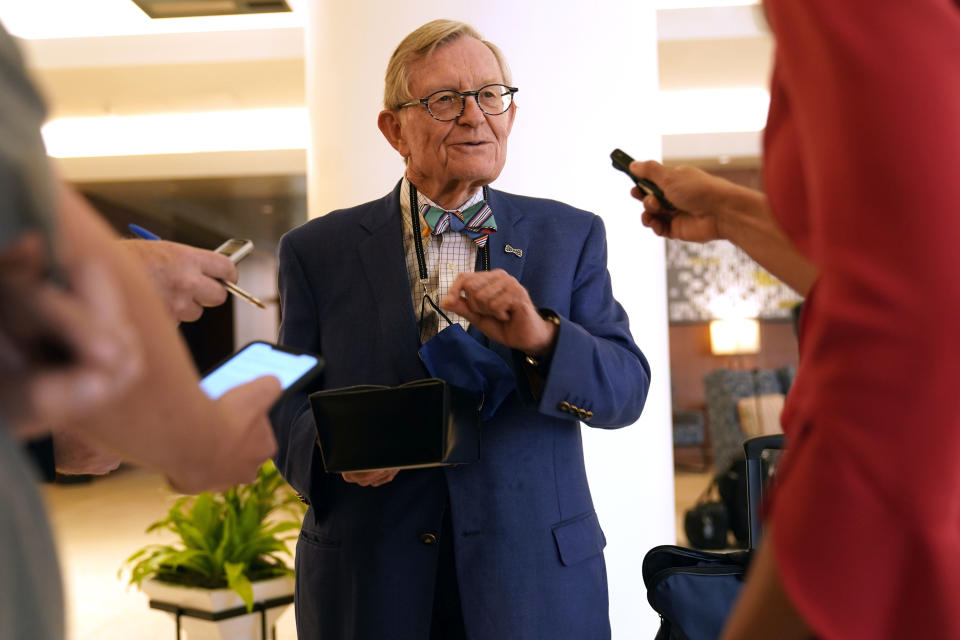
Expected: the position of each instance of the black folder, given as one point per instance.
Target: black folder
(424, 423)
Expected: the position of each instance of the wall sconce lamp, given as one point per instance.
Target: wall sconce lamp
(734, 336)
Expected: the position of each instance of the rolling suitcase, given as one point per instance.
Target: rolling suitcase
(694, 591)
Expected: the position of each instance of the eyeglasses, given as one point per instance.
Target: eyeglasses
(446, 105)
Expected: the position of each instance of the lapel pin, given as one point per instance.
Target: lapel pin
(516, 252)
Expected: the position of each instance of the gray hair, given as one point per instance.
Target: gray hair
(422, 42)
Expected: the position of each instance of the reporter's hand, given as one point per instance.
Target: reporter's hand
(370, 478)
(186, 276)
(499, 306)
(244, 436)
(711, 208)
(700, 198)
(88, 320)
(73, 454)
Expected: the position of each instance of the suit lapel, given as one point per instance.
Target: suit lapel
(510, 231)
(385, 271)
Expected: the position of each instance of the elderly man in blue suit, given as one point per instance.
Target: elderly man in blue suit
(509, 547)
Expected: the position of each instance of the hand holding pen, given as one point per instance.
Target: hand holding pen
(189, 278)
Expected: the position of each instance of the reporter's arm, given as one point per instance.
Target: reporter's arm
(41, 322)
(763, 609)
(165, 421)
(711, 208)
(749, 224)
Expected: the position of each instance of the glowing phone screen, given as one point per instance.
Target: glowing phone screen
(255, 360)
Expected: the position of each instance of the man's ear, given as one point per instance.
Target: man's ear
(512, 114)
(390, 126)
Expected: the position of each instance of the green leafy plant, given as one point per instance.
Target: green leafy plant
(228, 539)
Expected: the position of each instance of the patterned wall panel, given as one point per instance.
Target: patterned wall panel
(717, 279)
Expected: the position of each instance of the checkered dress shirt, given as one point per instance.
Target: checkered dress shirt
(446, 256)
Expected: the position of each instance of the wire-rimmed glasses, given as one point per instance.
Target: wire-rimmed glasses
(447, 104)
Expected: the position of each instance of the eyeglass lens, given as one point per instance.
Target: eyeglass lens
(493, 99)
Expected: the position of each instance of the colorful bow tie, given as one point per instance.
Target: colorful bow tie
(475, 221)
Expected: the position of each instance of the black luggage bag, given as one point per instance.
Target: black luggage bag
(694, 591)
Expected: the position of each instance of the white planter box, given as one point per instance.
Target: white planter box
(245, 627)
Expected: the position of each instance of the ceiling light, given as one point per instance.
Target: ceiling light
(166, 133)
(699, 4)
(194, 8)
(32, 20)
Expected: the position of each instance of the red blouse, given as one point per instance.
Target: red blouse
(862, 161)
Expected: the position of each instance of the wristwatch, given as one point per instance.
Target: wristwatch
(542, 363)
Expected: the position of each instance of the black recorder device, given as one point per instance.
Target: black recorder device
(621, 162)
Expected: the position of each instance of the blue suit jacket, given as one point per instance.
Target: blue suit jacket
(527, 541)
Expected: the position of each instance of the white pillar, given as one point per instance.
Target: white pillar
(587, 73)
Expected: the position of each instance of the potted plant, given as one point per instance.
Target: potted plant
(227, 555)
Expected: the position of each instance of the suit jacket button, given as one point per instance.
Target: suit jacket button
(589, 414)
(428, 538)
(564, 406)
(582, 413)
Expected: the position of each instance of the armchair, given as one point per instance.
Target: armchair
(724, 388)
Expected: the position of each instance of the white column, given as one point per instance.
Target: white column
(587, 74)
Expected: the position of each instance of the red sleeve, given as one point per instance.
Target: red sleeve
(867, 516)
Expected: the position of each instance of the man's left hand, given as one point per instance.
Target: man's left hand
(370, 478)
(498, 305)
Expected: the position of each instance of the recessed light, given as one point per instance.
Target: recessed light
(195, 8)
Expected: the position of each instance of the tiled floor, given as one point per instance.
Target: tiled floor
(99, 524)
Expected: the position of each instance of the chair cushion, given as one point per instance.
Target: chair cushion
(760, 415)
(724, 387)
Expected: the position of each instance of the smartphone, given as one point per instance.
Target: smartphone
(621, 161)
(235, 249)
(293, 367)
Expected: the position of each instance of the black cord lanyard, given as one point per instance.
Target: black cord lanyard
(483, 253)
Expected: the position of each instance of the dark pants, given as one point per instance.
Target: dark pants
(447, 611)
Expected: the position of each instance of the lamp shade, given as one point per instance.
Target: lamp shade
(734, 336)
